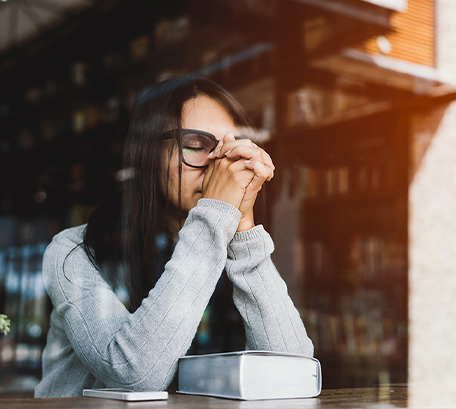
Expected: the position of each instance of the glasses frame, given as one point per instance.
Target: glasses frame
(179, 134)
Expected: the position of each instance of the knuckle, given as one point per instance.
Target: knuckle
(257, 154)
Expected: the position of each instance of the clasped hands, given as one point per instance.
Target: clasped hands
(236, 173)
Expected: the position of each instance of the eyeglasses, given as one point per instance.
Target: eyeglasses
(196, 145)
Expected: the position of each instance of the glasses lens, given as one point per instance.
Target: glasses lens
(196, 147)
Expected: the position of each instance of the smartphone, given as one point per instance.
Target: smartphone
(124, 394)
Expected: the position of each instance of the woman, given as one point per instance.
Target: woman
(122, 318)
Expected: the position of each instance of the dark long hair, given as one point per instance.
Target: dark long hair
(121, 235)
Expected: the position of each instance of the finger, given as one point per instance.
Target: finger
(268, 166)
(250, 152)
(231, 167)
(227, 181)
(213, 153)
(244, 151)
(234, 166)
(229, 145)
(267, 161)
(228, 137)
(261, 174)
(247, 151)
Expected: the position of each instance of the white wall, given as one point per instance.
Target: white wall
(432, 234)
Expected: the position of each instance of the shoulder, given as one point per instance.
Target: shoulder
(63, 245)
(66, 266)
(69, 237)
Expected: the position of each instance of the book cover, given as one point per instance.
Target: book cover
(250, 375)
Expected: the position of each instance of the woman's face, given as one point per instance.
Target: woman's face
(204, 114)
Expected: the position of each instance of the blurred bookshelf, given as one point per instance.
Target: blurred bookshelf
(347, 182)
(344, 169)
(339, 148)
(341, 194)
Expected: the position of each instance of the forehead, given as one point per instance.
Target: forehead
(206, 114)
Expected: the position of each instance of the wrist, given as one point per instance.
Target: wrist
(246, 223)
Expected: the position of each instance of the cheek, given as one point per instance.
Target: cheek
(173, 184)
(186, 183)
(192, 182)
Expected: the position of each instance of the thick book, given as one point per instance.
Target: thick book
(250, 375)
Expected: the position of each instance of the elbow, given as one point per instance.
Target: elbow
(127, 369)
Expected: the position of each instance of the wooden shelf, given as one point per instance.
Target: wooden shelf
(368, 197)
(346, 116)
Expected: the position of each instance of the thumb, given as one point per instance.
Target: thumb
(228, 137)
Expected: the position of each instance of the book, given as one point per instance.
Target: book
(250, 375)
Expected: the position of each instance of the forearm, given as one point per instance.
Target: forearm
(260, 294)
(140, 350)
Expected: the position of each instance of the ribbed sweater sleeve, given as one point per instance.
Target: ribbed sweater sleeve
(271, 320)
(140, 350)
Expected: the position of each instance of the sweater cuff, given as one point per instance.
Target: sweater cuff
(249, 234)
(255, 239)
(221, 217)
(228, 209)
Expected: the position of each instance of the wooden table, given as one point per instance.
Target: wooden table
(384, 397)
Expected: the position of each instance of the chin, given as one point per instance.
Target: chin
(190, 203)
(189, 206)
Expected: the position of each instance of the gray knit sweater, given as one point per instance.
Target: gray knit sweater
(95, 342)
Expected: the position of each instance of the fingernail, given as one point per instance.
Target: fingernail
(247, 162)
(210, 154)
(228, 152)
(218, 152)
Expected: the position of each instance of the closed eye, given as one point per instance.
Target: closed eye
(194, 148)
(191, 149)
